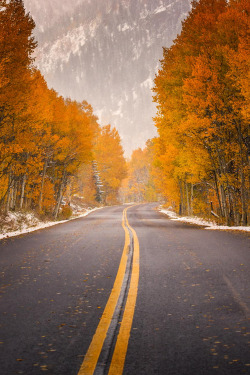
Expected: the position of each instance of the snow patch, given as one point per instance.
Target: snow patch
(68, 44)
(124, 27)
(160, 9)
(32, 224)
(198, 221)
(147, 83)
(117, 113)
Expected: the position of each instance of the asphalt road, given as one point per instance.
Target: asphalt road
(192, 307)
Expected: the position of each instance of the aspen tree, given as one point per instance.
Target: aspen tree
(202, 98)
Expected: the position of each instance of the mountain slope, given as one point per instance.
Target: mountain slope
(107, 52)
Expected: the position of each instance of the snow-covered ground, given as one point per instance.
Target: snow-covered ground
(198, 221)
(29, 223)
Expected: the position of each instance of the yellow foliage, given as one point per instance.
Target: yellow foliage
(202, 91)
(111, 164)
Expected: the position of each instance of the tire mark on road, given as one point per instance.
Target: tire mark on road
(237, 297)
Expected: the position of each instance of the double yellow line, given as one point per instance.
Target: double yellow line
(95, 348)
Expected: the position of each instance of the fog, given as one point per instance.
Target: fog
(107, 52)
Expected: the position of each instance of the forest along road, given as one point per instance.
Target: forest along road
(125, 290)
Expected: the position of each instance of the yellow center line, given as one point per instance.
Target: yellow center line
(119, 355)
(94, 350)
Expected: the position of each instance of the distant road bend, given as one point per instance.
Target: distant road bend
(125, 290)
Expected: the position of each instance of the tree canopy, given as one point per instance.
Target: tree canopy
(202, 92)
(46, 141)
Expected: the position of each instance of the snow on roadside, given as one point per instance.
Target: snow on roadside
(199, 221)
(32, 223)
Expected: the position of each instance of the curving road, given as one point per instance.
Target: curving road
(189, 314)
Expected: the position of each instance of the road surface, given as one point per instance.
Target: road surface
(125, 290)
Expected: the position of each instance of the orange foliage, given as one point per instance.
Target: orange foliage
(46, 142)
(111, 164)
(139, 185)
(202, 91)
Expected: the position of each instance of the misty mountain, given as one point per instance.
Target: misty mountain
(107, 52)
(46, 13)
